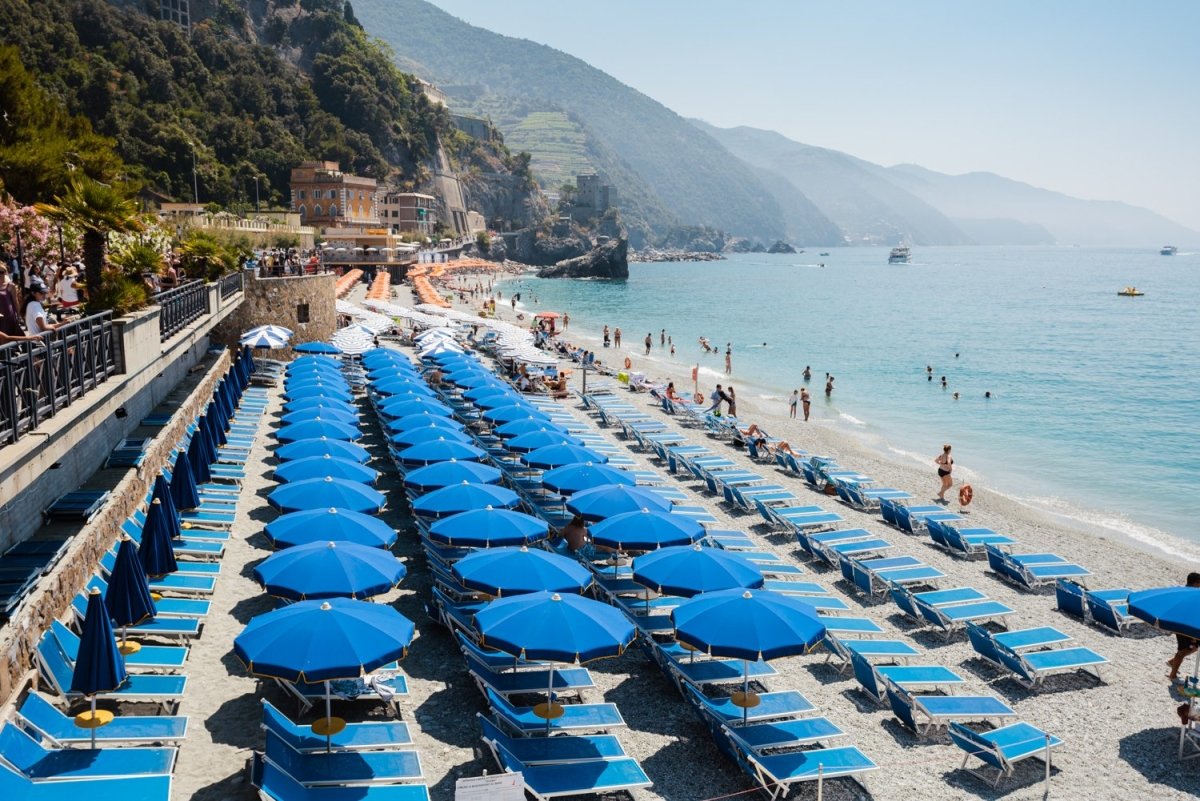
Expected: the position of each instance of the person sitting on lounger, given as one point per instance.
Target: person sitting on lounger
(671, 394)
(575, 534)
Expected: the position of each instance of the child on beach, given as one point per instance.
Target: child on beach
(795, 400)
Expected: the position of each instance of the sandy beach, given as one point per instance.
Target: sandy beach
(1120, 736)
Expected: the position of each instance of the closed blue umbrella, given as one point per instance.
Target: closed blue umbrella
(416, 435)
(184, 492)
(162, 493)
(128, 598)
(99, 667)
(525, 426)
(540, 439)
(439, 451)
(320, 413)
(307, 404)
(319, 446)
(691, 570)
(317, 391)
(326, 493)
(322, 466)
(417, 405)
(489, 528)
(204, 434)
(600, 503)
(750, 625)
(322, 525)
(156, 553)
(556, 627)
(424, 420)
(507, 414)
(645, 531)
(516, 571)
(463, 498)
(554, 456)
(574, 478)
(317, 347)
(197, 459)
(329, 569)
(318, 428)
(443, 474)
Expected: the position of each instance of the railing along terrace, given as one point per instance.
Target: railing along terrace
(231, 284)
(40, 379)
(181, 306)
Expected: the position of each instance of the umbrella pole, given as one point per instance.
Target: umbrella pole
(745, 690)
(328, 718)
(93, 730)
(549, 700)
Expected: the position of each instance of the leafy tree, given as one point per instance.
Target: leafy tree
(95, 210)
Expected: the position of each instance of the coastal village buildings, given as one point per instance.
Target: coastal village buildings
(592, 197)
(409, 213)
(324, 196)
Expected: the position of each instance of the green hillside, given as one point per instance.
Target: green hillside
(690, 173)
(558, 147)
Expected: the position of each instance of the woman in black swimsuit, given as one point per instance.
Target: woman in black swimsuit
(945, 463)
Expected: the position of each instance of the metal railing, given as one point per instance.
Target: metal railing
(180, 306)
(231, 284)
(40, 379)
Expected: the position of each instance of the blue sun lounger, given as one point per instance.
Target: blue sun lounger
(567, 681)
(873, 678)
(167, 691)
(172, 582)
(952, 618)
(862, 626)
(198, 549)
(926, 714)
(60, 730)
(965, 541)
(341, 767)
(775, 774)
(1110, 608)
(175, 627)
(905, 600)
(36, 762)
(883, 650)
(276, 784)
(703, 671)
(1003, 748)
(576, 718)
(760, 738)
(372, 735)
(564, 748)
(985, 643)
(183, 608)
(166, 658)
(771, 706)
(1030, 668)
(15, 787)
(585, 777)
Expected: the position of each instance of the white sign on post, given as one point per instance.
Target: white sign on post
(501, 787)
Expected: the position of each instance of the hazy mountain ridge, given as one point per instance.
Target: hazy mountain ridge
(693, 176)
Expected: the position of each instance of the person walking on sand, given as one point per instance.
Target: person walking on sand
(649, 342)
(1186, 646)
(945, 463)
(731, 401)
(617, 337)
(718, 395)
(793, 403)
(805, 401)
(728, 359)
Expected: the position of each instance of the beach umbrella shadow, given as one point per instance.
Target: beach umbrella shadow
(1152, 753)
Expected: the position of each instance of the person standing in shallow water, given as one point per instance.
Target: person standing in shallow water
(649, 343)
(728, 359)
(795, 400)
(945, 463)
(828, 385)
(617, 337)
(805, 401)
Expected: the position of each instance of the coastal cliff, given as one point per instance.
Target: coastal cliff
(609, 260)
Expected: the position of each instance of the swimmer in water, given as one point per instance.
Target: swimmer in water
(987, 394)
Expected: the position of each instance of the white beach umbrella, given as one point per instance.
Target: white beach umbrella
(265, 340)
(276, 330)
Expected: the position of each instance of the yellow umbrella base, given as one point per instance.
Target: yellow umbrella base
(93, 720)
(548, 711)
(745, 700)
(327, 727)
(127, 647)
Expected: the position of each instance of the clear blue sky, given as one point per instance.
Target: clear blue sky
(1096, 98)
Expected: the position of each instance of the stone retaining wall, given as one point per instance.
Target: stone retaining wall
(277, 301)
(52, 596)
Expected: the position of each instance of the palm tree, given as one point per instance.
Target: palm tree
(95, 210)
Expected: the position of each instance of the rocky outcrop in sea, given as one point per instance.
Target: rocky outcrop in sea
(609, 260)
(656, 255)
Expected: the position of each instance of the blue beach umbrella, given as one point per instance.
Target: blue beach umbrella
(197, 459)
(128, 598)
(326, 493)
(417, 405)
(321, 466)
(317, 347)
(499, 401)
(323, 366)
(469, 379)
(99, 667)
(318, 428)
(507, 414)
(489, 528)
(397, 385)
(323, 640)
(516, 571)
(495, 389)
(750, 625)
(156, 553)
(554, 456)
(540, 439)
(315, 375)
(525, 426)
(320, 446)
(1175, 609)
(464, 497)
(443, 474)
(322, 525)
(320, 382)
(645, 531)
(184, 491)
(416, 435)
(320, 413)
(555, 627)
(691, 570)
(600, 503)
(441, 450)
(313, 358)
(329, 569)
(424, 420)
(317, 391)
(306, 404)
(574, 478)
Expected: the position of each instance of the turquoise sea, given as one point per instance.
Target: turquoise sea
(1095, 408)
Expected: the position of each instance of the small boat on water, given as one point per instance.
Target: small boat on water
(824, 253)
(1131, 292)
(1169, 250)
(900, 255)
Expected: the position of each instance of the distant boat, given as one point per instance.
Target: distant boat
(900, 255)
(1131, 292)
(1169, 250)
(824, 253)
